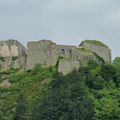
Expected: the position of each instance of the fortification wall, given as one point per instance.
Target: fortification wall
(47, 53)
(13, 54)
(41, 52)
(83, 56)
(65, 51)
(102, 51)
(66, 66)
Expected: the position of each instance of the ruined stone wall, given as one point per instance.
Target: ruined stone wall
(83, 56)
(65, 51)
(41, 52)
(12, 54)
(66, 66)
(102, 51)
(47, 53)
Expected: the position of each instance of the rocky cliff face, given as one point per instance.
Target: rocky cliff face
(12, 54)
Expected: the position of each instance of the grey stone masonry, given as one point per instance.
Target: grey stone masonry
(48, 53)
(45, 52)
(99, 48)
(41, 52)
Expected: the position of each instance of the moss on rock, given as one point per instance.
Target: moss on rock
(96, 42)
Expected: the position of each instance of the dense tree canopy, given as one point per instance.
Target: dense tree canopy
(91, 93)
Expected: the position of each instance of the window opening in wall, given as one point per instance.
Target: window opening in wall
(76, 57)
(63, 51)
(70, 53)
(45, 52)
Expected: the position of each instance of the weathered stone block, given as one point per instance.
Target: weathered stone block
(66, 66)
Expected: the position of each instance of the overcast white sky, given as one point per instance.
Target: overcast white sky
(63, 21)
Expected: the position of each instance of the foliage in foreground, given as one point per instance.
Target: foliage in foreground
(31, 85)
(92, 93)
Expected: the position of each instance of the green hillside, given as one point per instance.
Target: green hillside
(92, 93)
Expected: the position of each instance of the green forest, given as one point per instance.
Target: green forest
(91, 93)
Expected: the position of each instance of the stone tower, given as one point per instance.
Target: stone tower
(41, 52)
(98, 48)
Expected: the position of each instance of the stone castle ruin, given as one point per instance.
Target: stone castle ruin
(66, 58)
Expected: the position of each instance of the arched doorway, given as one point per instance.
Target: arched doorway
(63, 51)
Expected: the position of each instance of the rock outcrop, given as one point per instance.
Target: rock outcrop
(12, 54)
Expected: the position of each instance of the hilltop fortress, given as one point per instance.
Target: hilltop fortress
(14, 55)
